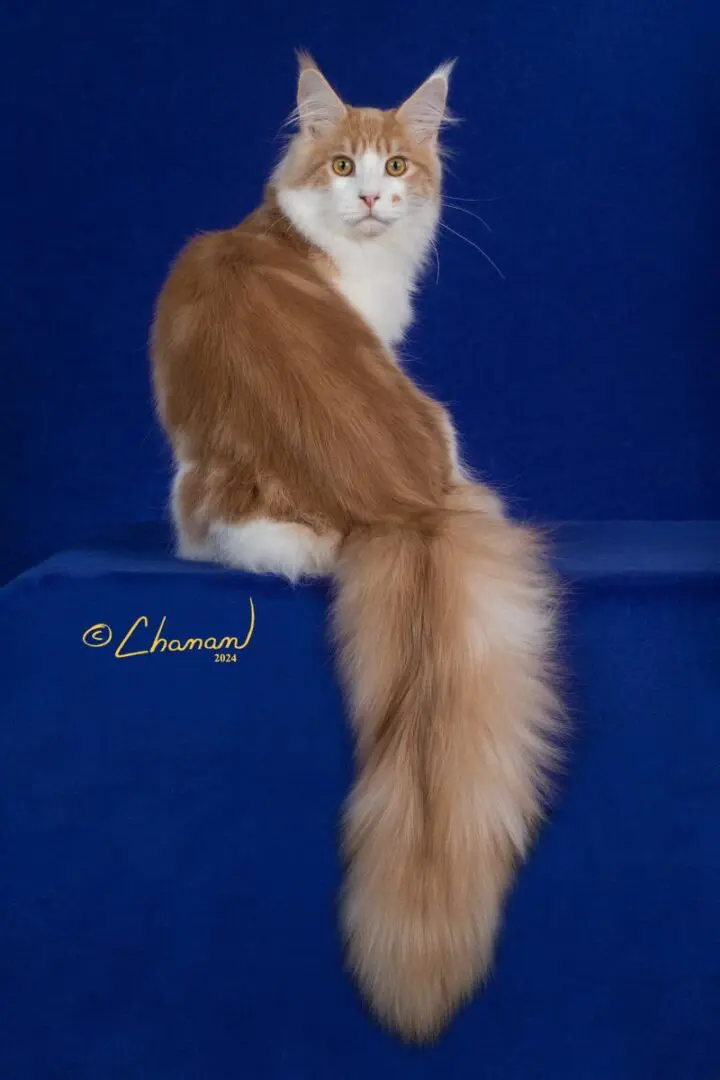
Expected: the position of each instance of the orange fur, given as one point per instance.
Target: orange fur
(281, 403)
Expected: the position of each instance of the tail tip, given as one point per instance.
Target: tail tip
(414, 986)
(418, 1013)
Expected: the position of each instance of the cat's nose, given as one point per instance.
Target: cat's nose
(369, 200)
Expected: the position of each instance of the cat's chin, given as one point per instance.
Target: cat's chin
(370, 226)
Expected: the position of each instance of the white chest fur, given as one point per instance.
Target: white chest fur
(378, 285)
(376, 274)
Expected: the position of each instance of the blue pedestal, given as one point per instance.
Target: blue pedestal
(168, 831)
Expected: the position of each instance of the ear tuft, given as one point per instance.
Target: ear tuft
(305, 60)
(425, 111)
(318, 106)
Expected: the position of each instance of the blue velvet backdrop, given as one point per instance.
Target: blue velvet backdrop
(584, 383)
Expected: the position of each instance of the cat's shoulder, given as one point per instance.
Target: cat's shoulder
(225, 247)
(252, 246)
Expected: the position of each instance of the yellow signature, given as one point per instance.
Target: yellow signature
(100, 634)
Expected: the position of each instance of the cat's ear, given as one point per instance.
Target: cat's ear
(318, 106)
(425, 111)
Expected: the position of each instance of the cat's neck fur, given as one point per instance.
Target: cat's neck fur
(376, 275)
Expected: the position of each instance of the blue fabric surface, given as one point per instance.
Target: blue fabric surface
(585, 383)
(168, 833)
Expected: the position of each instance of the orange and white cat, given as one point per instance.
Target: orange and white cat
(303, 448)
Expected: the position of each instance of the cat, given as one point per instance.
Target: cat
(303, 449)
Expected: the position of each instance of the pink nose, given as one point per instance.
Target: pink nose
(369, 200)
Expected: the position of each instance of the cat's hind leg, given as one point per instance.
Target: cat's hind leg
(192, 539)
(254, 541)
(266, 546)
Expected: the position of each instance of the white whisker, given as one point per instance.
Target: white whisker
(464, 210)
(436, 253)
(492, 198)
(287, 225)
(477, 247)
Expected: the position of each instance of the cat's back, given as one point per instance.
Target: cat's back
(259, 266)
(245, 301)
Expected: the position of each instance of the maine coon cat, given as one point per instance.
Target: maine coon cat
(303, 448)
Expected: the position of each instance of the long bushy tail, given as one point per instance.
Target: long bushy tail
(444, 630)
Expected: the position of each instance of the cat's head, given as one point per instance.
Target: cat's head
(359, 172)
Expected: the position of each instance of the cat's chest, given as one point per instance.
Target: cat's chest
(379, 289)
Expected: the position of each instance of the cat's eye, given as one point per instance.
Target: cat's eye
(396, 166)
(343, 166)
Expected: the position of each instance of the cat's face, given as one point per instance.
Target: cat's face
(361, 173)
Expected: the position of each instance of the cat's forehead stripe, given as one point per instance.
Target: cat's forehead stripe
(372, 151)
(371, 127)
